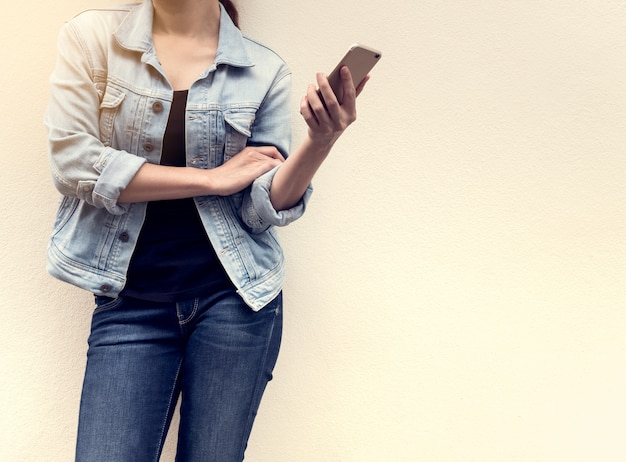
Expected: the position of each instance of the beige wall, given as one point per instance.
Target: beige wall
(456, 290)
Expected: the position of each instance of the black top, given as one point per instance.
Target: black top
(174, 259)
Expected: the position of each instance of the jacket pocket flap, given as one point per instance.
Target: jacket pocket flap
(240, 121)
(112, 98)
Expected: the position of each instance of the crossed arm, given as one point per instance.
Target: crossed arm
(326, 122)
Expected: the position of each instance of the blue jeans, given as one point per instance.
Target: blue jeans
(215, 352)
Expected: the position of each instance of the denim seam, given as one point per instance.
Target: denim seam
(168, 414)
(108, 306)
(196, 304)
(250, 419)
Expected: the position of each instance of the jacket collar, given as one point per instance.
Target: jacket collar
(135, 33)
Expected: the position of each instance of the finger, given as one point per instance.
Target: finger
(307, 112)
(349, 92)
(361, 86)
(273, 163)
(264, 163)
(328, 97)
(319, 107)
(269, 151)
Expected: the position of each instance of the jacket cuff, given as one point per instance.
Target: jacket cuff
(258, 212)
(117, 169)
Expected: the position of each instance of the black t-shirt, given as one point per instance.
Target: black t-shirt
(174, 259)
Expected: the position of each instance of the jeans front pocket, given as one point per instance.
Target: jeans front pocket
(106, 303)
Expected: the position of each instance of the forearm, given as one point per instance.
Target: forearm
(157, 182)
(327, 120)
(296, 173)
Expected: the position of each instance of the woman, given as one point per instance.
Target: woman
(169, 132)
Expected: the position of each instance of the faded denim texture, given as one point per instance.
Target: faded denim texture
(107, 115)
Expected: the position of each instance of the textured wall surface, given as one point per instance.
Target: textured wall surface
(456, 289)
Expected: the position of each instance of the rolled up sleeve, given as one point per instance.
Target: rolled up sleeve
(272, 127)
(259, 214)
(81, 165)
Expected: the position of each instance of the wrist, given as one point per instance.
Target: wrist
(322, 142)
(201, 182)
(208, 182)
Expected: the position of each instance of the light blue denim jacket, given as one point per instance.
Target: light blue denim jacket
(108, 111)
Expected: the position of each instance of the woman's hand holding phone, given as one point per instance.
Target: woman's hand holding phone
(338, 91)
(326, 118)
(328, 108)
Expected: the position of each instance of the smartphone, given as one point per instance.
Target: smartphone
(360, 59)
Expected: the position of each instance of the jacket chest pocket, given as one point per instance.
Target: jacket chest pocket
(109, 108)
(214, 137)
(238, 128)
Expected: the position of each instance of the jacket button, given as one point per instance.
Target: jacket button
(157, 106)
(106, 288)
(148, 147)
(124, 237)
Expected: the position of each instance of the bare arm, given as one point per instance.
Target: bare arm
(326, 124)
(157, 182)
(326, 121)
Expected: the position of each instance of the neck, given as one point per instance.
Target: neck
(191, 18)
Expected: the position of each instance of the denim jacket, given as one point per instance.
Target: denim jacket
(107, 115)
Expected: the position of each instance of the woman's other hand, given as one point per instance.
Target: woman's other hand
(242, 169)
(160, 182)
(326, 118)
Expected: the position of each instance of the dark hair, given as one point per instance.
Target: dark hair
(231, 9)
